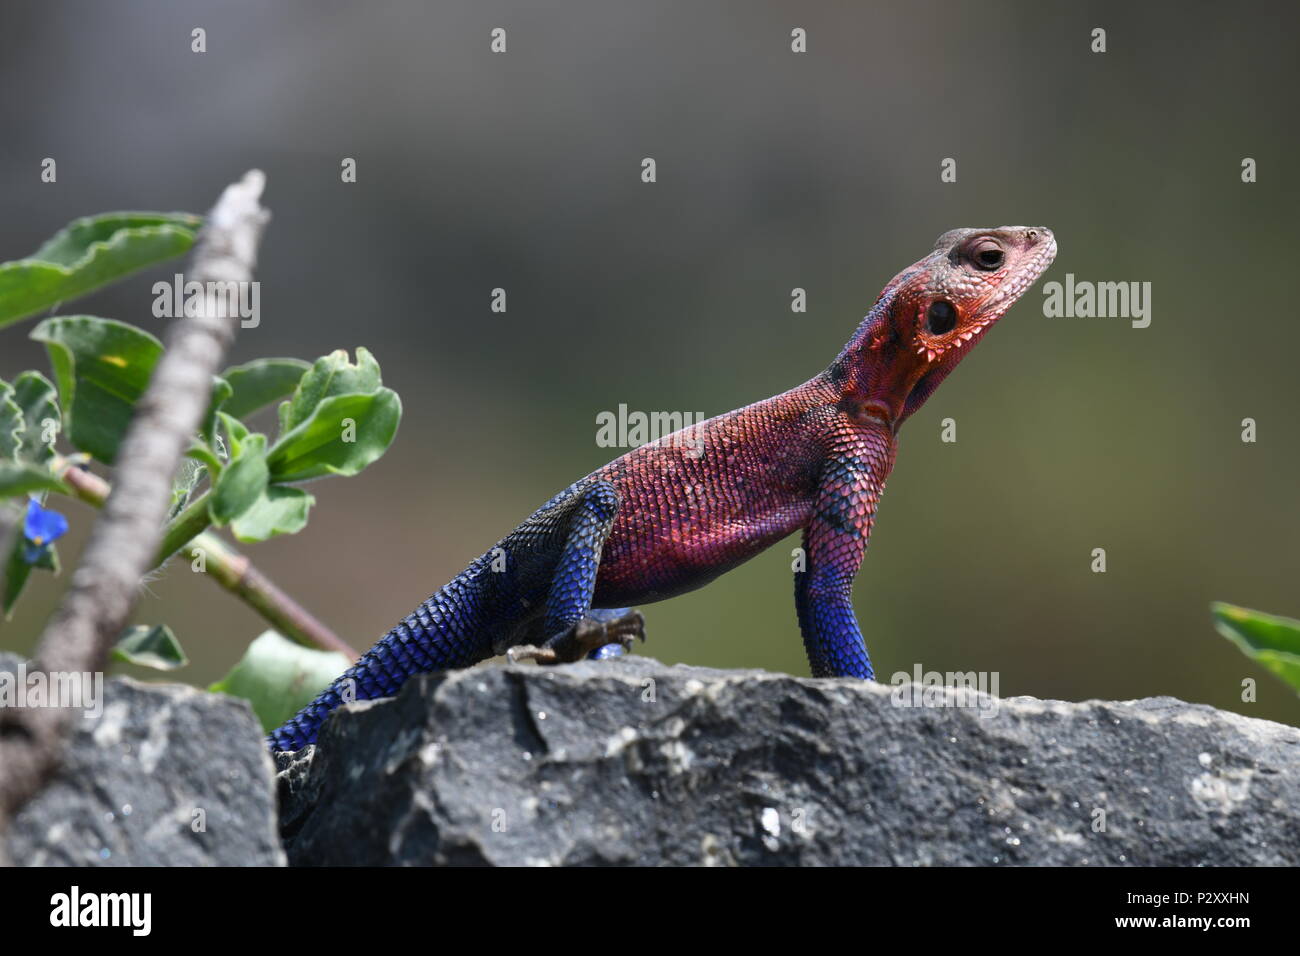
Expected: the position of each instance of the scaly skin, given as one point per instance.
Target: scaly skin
(670, 516)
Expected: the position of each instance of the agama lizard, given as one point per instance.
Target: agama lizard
(672, 515)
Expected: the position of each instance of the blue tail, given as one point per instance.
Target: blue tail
(448, 630)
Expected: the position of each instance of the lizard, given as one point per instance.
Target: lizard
(671, 515)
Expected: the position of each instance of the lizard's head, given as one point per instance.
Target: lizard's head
(934, 312)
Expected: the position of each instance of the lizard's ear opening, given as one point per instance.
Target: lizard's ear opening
(941, 317)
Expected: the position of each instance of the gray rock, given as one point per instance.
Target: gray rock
(137, 778)
(584, 765)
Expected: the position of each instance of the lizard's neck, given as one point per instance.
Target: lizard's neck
(876, 376)
(858, 372)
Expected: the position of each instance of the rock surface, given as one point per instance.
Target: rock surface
(634, 762)
(166, 776)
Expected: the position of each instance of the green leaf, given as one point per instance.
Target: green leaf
(40, 405)
(11, 423)
(258, 383)
(202, 453)
(17, 571)
(330, 375)
(242, 482)
(147, 646)
(23, 478)
(279, 677)
(89, 253)
(102, 367)
(1272, 641)
(221, 392)
(236, 432)
(279, 510)
(343, 435)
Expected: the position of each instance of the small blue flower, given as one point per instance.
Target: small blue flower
(41, 528)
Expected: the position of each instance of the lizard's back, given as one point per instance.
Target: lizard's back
(696, 503)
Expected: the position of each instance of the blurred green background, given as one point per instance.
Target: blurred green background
(775, 170)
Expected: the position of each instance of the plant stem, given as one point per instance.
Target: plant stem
(184, 528)
(236, 574)
(231, 570)
(86, 485)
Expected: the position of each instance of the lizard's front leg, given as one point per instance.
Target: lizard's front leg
(570, 628)
(834, 543)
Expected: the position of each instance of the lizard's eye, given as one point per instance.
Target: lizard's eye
(940, 318)
(987, 255)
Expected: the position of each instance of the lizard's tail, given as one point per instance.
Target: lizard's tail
(446, 631)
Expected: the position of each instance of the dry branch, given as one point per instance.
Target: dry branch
(121, 548)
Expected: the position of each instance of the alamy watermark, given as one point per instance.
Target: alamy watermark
(1103, 300)
(133, 911)
(81, 689)
(922, 688)
(234, 299)
(631, 429)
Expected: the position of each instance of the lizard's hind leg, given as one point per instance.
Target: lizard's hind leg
(570, 628)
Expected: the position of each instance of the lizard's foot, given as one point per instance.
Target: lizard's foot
(623, 626)
(600, 634)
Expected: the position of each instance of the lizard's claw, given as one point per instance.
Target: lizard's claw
(595, 635)
(620, 628)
